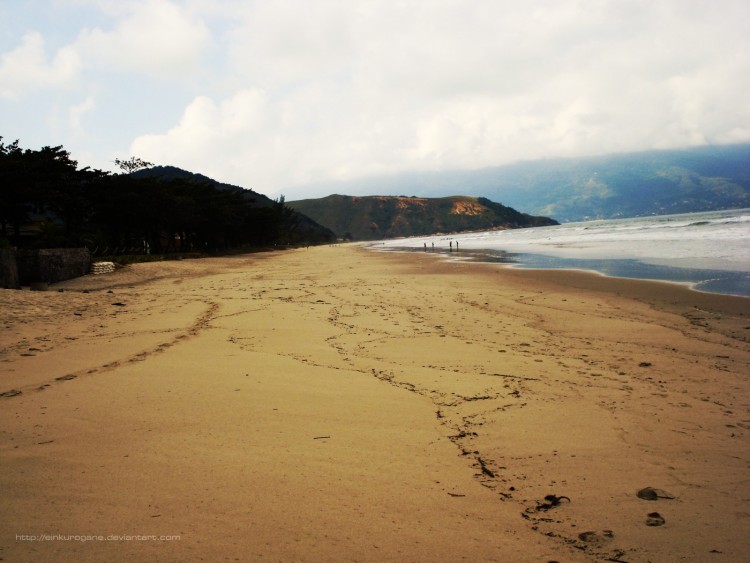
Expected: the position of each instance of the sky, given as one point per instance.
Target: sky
(270, 94)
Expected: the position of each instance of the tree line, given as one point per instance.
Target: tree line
(46, 201)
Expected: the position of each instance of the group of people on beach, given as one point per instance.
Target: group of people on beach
(450, 246)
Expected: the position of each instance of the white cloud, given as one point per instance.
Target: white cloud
(28, 67)
(353, 88)
(147, 37)
(208, 129)
(76, 113)
(284, 92)
(155, 36)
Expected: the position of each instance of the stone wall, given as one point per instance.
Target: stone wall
(8, 269)
(50, 265)
(102, 268)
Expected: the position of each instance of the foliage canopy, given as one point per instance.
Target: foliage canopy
(47, 201)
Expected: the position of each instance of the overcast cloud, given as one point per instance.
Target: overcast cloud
(275, 93)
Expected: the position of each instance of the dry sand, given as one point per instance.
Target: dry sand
(337, 404)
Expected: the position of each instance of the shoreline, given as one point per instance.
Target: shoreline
(664, 295)
(478, 255)
(339, 403)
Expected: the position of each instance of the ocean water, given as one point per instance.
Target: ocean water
(709, 251)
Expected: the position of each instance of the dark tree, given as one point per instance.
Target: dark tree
(132, 164)
(14, 200)
(45, 200)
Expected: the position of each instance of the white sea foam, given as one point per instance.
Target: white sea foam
(709, 251)
(717, 240)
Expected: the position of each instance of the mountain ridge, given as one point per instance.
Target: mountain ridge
(302, 228)
(379, 217)
(168, 172)
(654, 182)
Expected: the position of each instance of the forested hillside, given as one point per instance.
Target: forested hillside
(46, 200)
(380, 217)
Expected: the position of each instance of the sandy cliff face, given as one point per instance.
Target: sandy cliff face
(467, 208)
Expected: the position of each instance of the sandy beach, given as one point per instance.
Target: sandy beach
(340, 404)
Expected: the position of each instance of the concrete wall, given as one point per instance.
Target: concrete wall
(8, 269)
(50, 265)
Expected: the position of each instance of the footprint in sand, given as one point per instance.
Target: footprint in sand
(655, 519)
(550, 501)
(596, 537)
(65, 377)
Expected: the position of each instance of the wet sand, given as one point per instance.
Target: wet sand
(340, 404)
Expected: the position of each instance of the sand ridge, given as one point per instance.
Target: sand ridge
(340, 404)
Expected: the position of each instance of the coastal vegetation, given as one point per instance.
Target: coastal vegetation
(47, 201)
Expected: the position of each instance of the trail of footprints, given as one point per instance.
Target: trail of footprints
(462, 415)
(200, 324)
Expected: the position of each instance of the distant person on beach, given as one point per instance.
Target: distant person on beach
(425, 247)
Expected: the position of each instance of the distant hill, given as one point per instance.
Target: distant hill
(576, 189)
(380, 217)
(173, 173)
(302, 228)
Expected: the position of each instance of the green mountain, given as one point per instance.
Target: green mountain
(380, 217)
(168, 173)
(299, 228)
(46, 201)
(576, 189)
